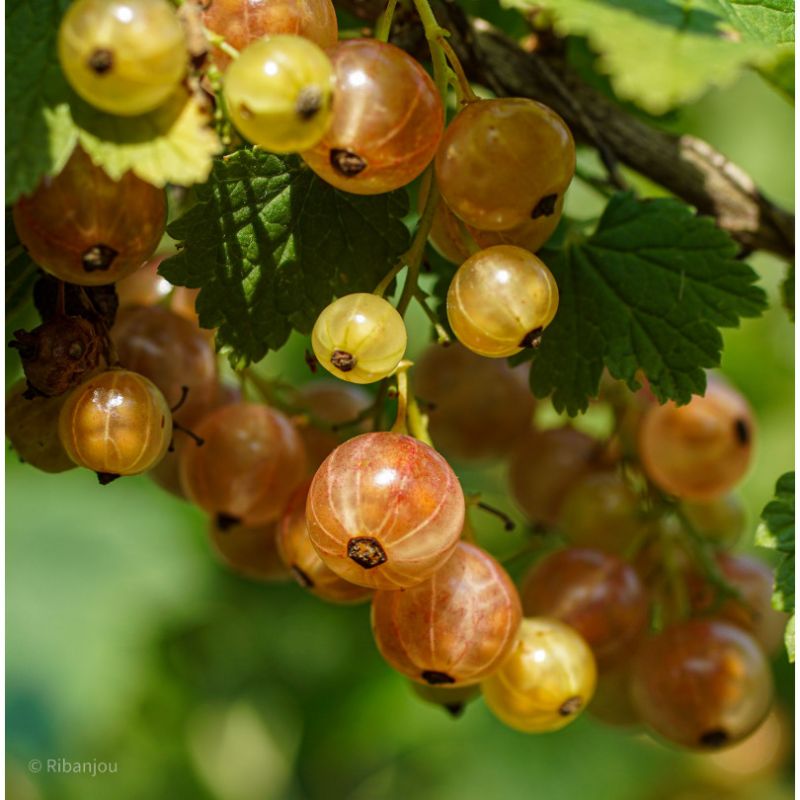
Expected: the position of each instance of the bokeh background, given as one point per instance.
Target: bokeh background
(128, 644)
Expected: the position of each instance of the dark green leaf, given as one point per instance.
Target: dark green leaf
(21, 273)
(787, 291)
(777, 533)
(270, 244)
(646, 291)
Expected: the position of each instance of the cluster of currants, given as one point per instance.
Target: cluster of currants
(642, 608)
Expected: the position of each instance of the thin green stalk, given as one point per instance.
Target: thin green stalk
(384, 24)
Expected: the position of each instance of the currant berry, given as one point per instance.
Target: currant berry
(452, 699)
(476, 406)
(721, 521)
(172, 353)
(546, 681)
(279, 93)
(329, 403)
(125, 57)
(701, 450)
(532, 154)
(251, 461)
(451, 237)
(385, 511)
(116, 423)
(302, 560)
(500, 300)
(602, 511)
(597, 594)
(387, 120)
(32, 429)
(248, 551)
(753, 611)
(544, 466)
(702, 684)
(454, 628)
(59, 354)
(74, 228)
(241, 22)
(166, 473)
(359, 338)
(144, 286)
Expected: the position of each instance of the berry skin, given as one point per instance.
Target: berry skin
(116, 423)
(500, 300)
(279, 93)
(532, 154)
(359, 338)
(73, 225)
(144, 286)
(699, 451)
(171, 352)
(248, 551)
(721, 521)
(123, 56)
(330, 403)
(544, 466)
(451, 237)
(251, 461)
(476, 406)
(601, 511)
(387, 120)
(456, 627)
(546, 681)
(302, 560)
(241, 22)
(702, 684)
(597, 594)
(385, 511)
(32, 429)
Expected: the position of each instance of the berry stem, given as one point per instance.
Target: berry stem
(442, 337)
(401, 373)
(463, 86)
(384, 24)
(219, 42)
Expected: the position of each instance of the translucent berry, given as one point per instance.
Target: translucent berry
(172, 353)
(241, 22)
(251, 461)
(699, 451)
(500, 301)
(248, 551)
(544, 466)
(84, 228)
(359, 338)
(123, 56)
(144, 286)
(601, 510)
(385, 511)
(597, 594)
(477, 407)
(532, 157)
(116, 423)
(546, 681)
(303, 561)
(454, 628)
(387, 120)
(703, 684)
(32, 429)
(279, 93)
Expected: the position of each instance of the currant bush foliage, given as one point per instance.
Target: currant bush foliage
(777, 533)
(645, 291)
(690, 47)
(271, 244)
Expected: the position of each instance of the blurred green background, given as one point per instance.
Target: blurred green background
(128, 644)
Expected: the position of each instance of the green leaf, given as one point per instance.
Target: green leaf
(40, 134)
(270, 244)
(21, 273)
(173, 144)
(662, 53)
(777, 533)
(787, 291)
(45, 118)
(646, 291)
